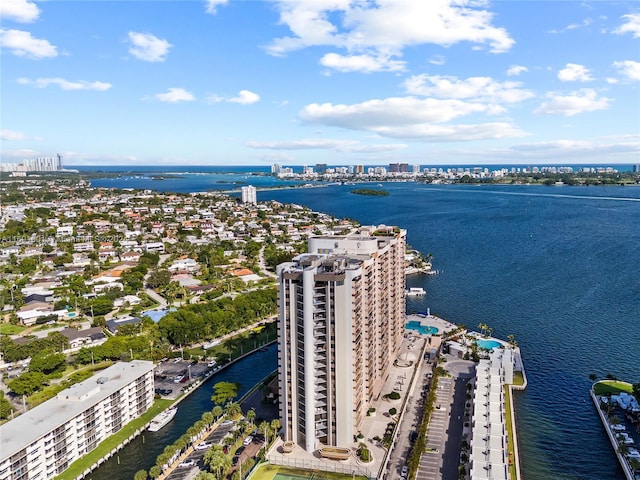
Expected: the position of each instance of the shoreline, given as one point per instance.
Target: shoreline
(624, 465)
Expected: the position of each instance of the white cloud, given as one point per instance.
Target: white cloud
(66, 84)
(581, 101)
(578, 149)
(629, 69)
(11, 135)
(585, 23)
(245, 97)
(411, 118)
(383, 29)
(374, 114)
(212, 5)
(573, 72)
(483, 89)
(631, 25)
(361, 63)
(351, 146)
(148, 47)
(175, 95)
(515, 70)
(453, 133)
(21, 11)
(22, 44)
(437, 60)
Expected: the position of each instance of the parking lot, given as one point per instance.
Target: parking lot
(172, 375)
(217, 436)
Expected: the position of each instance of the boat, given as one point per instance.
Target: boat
(415, 291)
(162, 419)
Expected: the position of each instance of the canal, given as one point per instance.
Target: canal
(142, 452)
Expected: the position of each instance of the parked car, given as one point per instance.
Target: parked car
(187, 463)
(203, 446)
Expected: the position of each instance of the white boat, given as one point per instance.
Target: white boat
(162, 419)
(415, 291)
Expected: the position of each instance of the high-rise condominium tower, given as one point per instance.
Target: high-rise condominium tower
(249, 194)
(341, 320)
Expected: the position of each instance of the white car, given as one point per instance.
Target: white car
(187, 463)
(404, 472)
(203, 446)
(248, 440)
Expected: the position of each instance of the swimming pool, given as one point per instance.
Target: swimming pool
(156, 315)
(489, 344)
(423, 329)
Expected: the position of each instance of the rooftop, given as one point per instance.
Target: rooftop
(37, 422)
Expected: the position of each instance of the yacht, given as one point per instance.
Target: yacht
(416, 291)
(162, 419)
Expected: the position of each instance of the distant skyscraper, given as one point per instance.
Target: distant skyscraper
(249, 194)
(321, 168)
(398, 168)
(340, 325)
(635, 168)
(359, 169)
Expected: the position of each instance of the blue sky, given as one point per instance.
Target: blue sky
(300, 82)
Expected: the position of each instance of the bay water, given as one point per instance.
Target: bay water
(558, 267)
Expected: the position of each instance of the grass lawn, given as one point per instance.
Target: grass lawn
(113, 441)
(42, 328)
(9, 329)
(510, 433)
(518, 378)
(604, 387)
(268, 472)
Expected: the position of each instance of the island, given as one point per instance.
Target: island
(370, 192)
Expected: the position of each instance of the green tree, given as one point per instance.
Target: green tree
(159, 278)
(233, 409)
(217, 461)
(47, 362)
(251, 415)
(27, 383)
(140, 475)
(155, 471)
(223, 392)
(5, 407)
(217, 411)
(275, 426)
(207, 418)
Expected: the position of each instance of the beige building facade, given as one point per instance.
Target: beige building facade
(341, 320)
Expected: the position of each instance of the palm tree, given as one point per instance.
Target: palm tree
(217, 461)
(265, 428)
(140, 475)
(207, 418)
(233, 409)
(154, 472)
(251, 415)
(217, 411)
(200, 426)
(275, 426)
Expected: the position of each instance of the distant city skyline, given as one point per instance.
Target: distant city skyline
(224, 82)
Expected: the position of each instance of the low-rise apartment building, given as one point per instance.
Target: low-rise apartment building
(44, 441)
